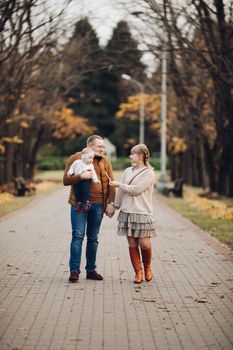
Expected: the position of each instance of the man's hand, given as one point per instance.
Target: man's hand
(86, 175)
(110, 210)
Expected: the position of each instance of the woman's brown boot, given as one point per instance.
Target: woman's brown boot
(136, 262)
(146, 259)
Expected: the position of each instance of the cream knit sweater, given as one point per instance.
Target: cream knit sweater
(137, 197)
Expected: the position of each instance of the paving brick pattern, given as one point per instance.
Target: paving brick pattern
(188, 305)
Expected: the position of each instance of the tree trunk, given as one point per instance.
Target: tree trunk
(211, 168)
(187, 167)
(35, 149)
(8, 164)
(225, 186)
(194, 167)
(205, 182)
(224, 108)
(172, 167)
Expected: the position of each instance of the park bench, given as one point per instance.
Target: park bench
(21, 187)
(176, 190)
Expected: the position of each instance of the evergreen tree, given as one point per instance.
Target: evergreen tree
(98, 89)
(124, 57)
(94, 95)
(83, 95)
(123, 53)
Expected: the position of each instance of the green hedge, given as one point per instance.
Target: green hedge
(120, 163)
(58, 163)
(155, 162)
(51, 163)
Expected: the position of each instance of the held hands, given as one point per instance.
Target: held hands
(110, 210)
(114, 183)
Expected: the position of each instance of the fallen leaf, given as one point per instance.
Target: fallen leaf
(22, 329)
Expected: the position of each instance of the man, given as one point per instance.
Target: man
(102, 200)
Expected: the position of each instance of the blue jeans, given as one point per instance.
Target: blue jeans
(89, 222)
(81, 190)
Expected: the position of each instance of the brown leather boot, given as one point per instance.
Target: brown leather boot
(136, 262)
(146, 259)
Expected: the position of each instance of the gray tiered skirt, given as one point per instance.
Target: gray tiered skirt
(135, 225)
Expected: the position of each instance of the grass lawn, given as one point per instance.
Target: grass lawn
(51, 175)
(45, 182)
(14, 204)
(221, 229)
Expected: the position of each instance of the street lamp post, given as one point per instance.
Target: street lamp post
(142, 107)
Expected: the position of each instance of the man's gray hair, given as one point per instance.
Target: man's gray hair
(91, 139)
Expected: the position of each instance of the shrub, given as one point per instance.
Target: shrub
(51, 163)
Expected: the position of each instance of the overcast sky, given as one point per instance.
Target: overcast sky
(104, 16)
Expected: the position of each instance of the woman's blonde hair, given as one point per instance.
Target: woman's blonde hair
(141, 148)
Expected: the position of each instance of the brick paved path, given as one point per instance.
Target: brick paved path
(187, 306)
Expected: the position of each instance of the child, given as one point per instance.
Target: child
(81, 189)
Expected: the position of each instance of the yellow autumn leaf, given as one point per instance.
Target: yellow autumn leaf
(68, 125)
(5, 197)
(14, 139)
(24, 125)
(2, 149)
(177, 145)
(216, 209)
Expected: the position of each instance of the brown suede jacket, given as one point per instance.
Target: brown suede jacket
(100, 193)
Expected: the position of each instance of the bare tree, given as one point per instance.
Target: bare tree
(197, 35)
(35, 77)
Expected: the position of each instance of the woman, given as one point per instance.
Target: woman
(135, 221)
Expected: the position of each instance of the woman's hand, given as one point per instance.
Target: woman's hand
(110, 210)
(114, 183)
